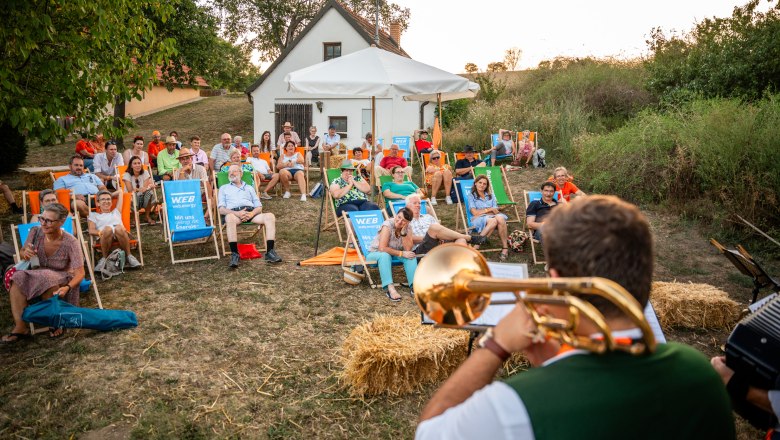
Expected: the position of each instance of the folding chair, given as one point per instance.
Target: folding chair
(369, 168)
(302, 152)
(746, 264)
(125, 211)
(332, 174)
(499, 184)
(463, 188)
(382, 180)
(425, 207)
(31, 200)
(461, 155)
(57, 174)
(362, 227)
(183, 217)
(220, 179)
(493, 141)
(528, 197)
(405, 144)
(120, 171)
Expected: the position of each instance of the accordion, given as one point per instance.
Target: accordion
(753, 348)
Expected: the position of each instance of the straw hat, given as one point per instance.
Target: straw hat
(287, 125)
(352, 277)
(170, 140)
(185, 152)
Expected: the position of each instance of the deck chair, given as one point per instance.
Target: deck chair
(463, 216)
(302, 152)
(362, 227)
(424, 162)
(493, 141)
(528, 197)
(129, 221)
(499, 184)
(331, 175)
(31, 202)
(57, 174)
(746, 264)
(461, 155)
(425, 207)
(120, 171)
(184, 222)
(382, 180)
(405, 144)
(220, 179)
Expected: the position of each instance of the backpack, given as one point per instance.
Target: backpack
(538, 159)
(113, 265)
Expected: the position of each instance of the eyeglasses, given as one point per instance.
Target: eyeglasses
(398, 172)
(47, 221)
(106, 200)
(435, 158)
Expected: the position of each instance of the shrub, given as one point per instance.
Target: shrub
(14, 148)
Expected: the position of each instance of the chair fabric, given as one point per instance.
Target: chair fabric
(362, 227)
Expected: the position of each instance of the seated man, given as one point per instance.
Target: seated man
(263, 172)
(45, 197)
(80, 183)
(168, 159)
(105, 165)
(331, 141)
(199, 156)
(421, 142)
(563, 185)
(464, 168)
(86, 151)
(394, 159)
(349, 192)
(106, 226)
(287, 129)
(238, 202)
(219, 154)
(539, 209)
(504, 147)
(670, 393)
(360, 163)
(429, 233)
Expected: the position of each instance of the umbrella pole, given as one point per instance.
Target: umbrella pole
(374, 141)
(441, 124)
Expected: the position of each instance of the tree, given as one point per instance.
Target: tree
(498, 66)
(73, 58)
(471, 68)
(512, 57)
(270, 26)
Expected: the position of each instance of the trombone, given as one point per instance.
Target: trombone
(453, 286)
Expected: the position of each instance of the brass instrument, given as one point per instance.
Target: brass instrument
(453, 286)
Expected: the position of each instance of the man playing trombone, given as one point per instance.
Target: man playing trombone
(669, 391)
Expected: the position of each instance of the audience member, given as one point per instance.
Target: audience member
(238, 144)
(539, 209)
(59, 271)
(564, 186)
(313, 146)
(154, 148)
(80, 183)
(362, 164)
(139, 182)
(394, 240)
(263, 172)
(421, 142)
(105, 165)
(168, 159)
(266, 146)
(235, 159)
(485, 215)
(429, 233)
(98, 143)
(199, 157)
(464, 168)
(350, 192)
(45, 197)
(176, 136)
(219, 154)
(371, 148)
(438, 174)
(137, 149)
(331, 141)
(398, 188)
(393, 159)
(9, 197)
(290, 166)
(86, 151)
(505, 146)
(188, 170)
(287, 128)
(106, 226)
(239, 203)
(525, 148)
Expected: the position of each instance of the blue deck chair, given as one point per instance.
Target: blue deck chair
(183, 218)
(405, 144)
(362, 227)
(425, 207)
(493, 141)
(221, 178)
(528, 197)
(462, 189)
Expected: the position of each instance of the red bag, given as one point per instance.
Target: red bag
(248, 251)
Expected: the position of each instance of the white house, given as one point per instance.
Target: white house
(334, 31)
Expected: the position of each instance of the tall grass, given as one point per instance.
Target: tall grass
(708, 154)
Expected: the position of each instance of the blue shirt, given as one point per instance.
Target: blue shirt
(82, 185)
(476, 202)
(232, 196)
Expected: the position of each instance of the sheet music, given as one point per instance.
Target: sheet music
(652, 319)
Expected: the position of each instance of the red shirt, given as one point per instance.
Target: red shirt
(83, 146)
(389, 162)
(154, 148)
(422, 144)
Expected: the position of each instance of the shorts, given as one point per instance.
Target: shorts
(266, 176)
(426, 245)
(293, 171)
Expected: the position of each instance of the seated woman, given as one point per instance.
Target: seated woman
(437, 173)
(266, 146)
(349, 192)
(398, 188)
(360, 163)
(140, 183)
(371, 148)
(526, 148)
(290, 166)
(486, 217)
(564, 186)
(59, 271)
(106, 226)
(312, 146)
(504, 147)
(395, 239)
(46, 197)
(234, 155)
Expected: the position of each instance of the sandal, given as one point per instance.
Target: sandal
(504, 254)
(52, 334)
(387, 293)
(18, 336)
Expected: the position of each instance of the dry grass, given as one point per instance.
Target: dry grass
(693, 306)
(250, 353)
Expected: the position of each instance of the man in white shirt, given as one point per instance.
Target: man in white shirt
(263, 172)
(670, 392)
(219, 154)
(105, 165)
(427, 232)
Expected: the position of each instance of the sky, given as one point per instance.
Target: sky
(449, 34)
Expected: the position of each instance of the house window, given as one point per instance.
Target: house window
(341, 125)
(331, 50)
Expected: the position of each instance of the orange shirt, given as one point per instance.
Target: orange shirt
(567, 190)
(83, 146)
(154, 148)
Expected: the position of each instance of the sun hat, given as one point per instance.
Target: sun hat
(287, 125)
(352, 277)
(347, 165)
(170, 140)
(185, 152)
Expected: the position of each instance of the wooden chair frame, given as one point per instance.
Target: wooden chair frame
(354, 241)
(128, 205)
(504, 190)
(464, 213)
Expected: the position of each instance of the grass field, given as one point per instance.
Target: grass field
(251, 353)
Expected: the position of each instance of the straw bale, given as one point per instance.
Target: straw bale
(693, 306)
(336, 160)
(37, 181)
(397, 355)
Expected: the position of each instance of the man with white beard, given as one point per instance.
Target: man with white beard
(238, 203)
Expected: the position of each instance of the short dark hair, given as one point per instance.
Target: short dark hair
(547, 183)
(356, 149)
(601, 236)
(138, 138)
(195, 138)
(74, 157)
(45, 193)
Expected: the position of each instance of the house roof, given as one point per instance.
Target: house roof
(199, 81)
(364, 28)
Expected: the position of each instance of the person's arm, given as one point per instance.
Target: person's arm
(391, 195)
(362, 185)
(92, 228)
(532, 223)
(59, 184)
(757, 396)
(337, 192)
(384, 240)
(408, 242)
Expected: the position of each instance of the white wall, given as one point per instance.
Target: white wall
(395, 117)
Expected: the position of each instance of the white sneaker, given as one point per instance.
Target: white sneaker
(265, 196)
(303, 197)
(286, 195)
(132, 262)
(433, 201)
(448, 200)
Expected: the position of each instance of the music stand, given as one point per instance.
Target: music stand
(746, 264)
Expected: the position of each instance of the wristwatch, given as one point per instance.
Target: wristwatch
(487, 341)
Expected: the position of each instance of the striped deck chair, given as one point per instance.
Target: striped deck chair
(183, 218)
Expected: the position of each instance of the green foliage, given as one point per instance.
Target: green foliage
(708, 154)
(736, 56)
(453, 111)
(13, 147)
(490, 87)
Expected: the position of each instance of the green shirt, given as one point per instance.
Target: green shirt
(404, 188)
(167, 162)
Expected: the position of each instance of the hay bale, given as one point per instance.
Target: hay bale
(336, 160)
(693, 306)
(397, 355)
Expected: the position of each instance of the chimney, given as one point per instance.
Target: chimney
(395, 32)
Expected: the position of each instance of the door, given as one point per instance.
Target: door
(299, 115)
(366, 126)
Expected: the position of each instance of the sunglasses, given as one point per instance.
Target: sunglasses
(435, 158)
(137, 183)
